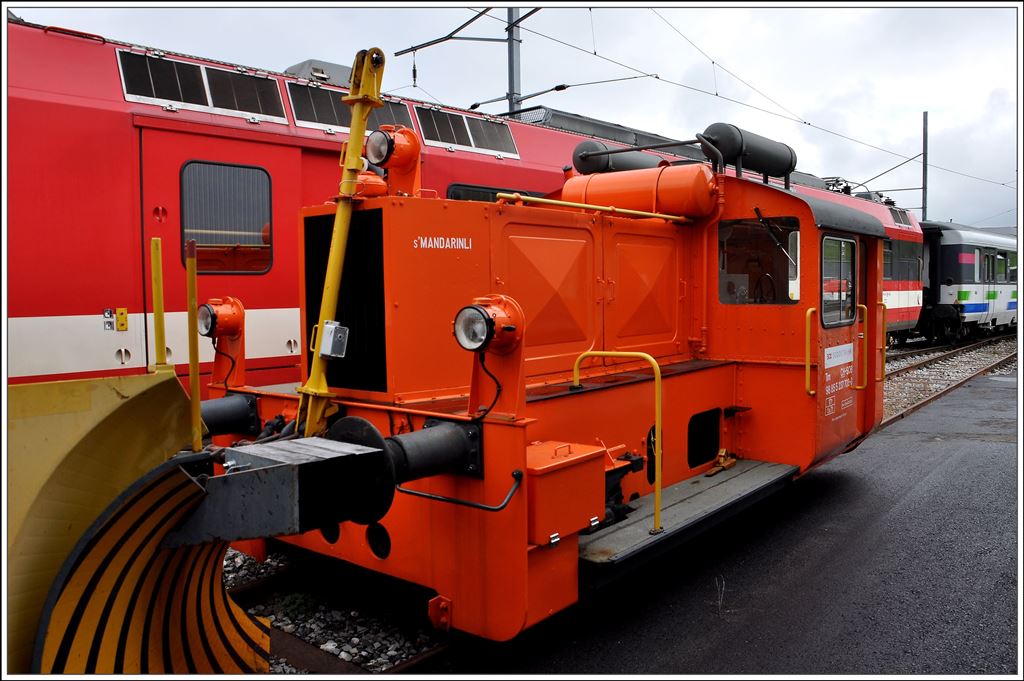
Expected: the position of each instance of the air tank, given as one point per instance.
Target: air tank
(689, 190)
(753, 152)
(609, 163)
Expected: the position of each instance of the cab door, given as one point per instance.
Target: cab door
(988, 287)
(843, 363)
(239, 199)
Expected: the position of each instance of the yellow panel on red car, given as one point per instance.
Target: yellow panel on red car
(566, 489)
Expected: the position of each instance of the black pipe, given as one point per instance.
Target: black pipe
(642, 147)
(232, 414)
(442, 448)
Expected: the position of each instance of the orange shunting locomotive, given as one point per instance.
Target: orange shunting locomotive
(507, 393)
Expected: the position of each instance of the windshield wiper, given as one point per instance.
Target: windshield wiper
(768, 226)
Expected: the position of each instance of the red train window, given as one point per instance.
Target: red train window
(226, 209)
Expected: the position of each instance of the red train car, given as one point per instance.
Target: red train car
(133, 143)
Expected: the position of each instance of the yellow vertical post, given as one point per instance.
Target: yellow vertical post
(193, 344)
(364, 94)
(807, 351)
(156, 261)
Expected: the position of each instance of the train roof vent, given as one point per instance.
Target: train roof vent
(322, 107)
(449, 129)
(319, 71)
(159, 78)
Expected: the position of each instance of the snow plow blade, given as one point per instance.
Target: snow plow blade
(84, 458)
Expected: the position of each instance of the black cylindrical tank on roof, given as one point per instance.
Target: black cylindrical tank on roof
(609, 163)
(754, 153)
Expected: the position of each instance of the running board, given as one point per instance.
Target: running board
(687, 508)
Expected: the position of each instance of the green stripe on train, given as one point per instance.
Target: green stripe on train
(992, 295)
(963, 295)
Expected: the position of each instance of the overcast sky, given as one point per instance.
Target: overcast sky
(863, 73)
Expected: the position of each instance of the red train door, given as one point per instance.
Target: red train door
(843, 373)
(239, 199)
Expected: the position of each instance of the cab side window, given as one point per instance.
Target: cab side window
(838, 281)
(759, 261)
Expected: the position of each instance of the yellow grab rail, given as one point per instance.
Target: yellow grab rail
(885, 340)
(657, 529)
(807, 351)
(156, 266)
(590, 206)
(864, 353)
(193, 345)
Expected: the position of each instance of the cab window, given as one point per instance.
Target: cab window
(838, 281)
(759, 261)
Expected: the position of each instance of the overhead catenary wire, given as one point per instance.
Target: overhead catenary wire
(716, 65)
(1005, 212)
(793, 118)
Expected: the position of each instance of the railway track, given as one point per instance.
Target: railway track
(910, 387)
(314, 631)
(319, 613)
(920, 347)
(902, 364)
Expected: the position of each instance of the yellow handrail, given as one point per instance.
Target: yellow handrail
(156, 266)
(807, 351)
(864, 352)
(657, 417)
(591, 206)
(885, 343)
(193, 345)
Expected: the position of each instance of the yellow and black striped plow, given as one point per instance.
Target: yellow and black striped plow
(123, 604)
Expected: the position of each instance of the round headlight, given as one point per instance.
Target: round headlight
(206, 320)
(473, 328)
(379, 146)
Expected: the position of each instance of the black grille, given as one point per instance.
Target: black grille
(360, 301)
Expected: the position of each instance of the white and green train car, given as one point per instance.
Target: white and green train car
(970, 280)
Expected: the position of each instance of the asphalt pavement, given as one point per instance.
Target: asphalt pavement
(900, 557)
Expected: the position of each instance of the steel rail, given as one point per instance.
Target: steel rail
(946, 355)
(950, 388)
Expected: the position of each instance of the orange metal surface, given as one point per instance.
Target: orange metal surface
(689, 190)
(733, 375)
(565, 480)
